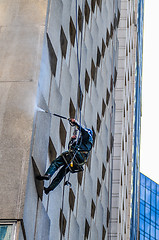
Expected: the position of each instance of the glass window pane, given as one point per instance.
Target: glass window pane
(6, 232)
(142, 237)
(158, 202)
(153, 231)
(148, 196)
(141, 224)
(147, 212)
(142, 179)
(157, 220)
(142, 209)
(153, 199)
(157, 233)
(142, 193)
(147, 227)
(152, 216)
(153, 186)
(148, 183)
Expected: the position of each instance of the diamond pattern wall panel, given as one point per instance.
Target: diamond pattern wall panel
(81, 210)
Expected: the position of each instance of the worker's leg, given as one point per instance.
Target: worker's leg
(63, 171)
(58, 162)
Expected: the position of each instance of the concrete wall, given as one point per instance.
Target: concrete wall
(22, 26)
(31, 139)
(83, 211)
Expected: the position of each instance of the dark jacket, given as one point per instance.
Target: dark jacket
(83, 145)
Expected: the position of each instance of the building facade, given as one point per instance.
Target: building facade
(79, 39)
(75, 30)
(76, 59)
(149, 209)
(125, 197)
(134, 215)
(124, 122)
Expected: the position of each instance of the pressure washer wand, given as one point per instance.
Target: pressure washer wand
(57, 115)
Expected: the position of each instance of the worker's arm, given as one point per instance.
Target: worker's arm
(87, 139)
(73, 122)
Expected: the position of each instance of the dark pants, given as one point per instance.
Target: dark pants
(57, 163)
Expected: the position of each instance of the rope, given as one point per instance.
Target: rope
(63, 194)
(79, 71)
(79, 65)
(79, 85)
(79, 60)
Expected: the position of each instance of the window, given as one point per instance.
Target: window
(87, 228)
(7, 230)
(63, 42)
(141, 224)
(93, 208)
(158, 202)
(93, 5)
(147, 227)
(72, 109)
(142, 237)
(153, 199)
(87, 12)
(152, 216)
(63, 133)
(158, 189)
(147, 196)
(157, 233)
(153, 186)
(147, 212)
(147, 238)
(157, 217)
(87, 81)
(62, 223)
(148, 182)
(72, 30)
(71, 199)
(52, 56)
(142, 179)
(141, 209)
(153, 231)
(142, 193)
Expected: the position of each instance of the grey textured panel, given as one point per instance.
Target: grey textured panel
(21, 36)
(43, 224)
(41, 140)
(30, 206)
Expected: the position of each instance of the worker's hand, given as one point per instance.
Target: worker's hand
(72, 121)
(73, 137)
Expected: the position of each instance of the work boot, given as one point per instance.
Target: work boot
(47, 190)
(45, 177)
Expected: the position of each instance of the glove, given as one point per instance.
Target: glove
(72, 122)
(73, 137)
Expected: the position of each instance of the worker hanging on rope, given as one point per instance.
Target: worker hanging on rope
(71, 160)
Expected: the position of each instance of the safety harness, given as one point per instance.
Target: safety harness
(71, 159)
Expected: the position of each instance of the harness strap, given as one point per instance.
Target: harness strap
(82, 153)
(73, 159)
